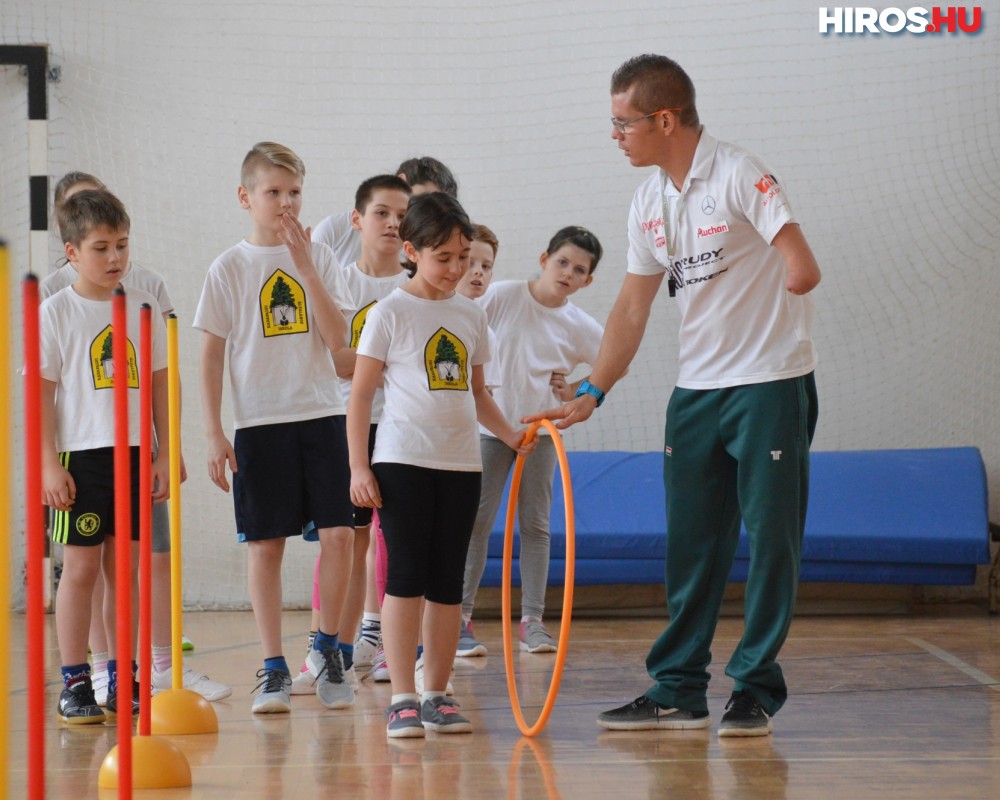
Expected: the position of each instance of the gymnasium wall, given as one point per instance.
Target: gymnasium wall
(887, 145)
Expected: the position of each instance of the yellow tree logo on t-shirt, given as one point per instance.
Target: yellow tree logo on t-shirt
(358, 324)
(283, 305)
(102, 363)
(446, 360)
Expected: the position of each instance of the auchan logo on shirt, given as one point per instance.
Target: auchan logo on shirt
(713, 230)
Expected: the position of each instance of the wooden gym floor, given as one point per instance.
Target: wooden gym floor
(901, 706)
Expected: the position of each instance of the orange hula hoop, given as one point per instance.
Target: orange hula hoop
(567, 607)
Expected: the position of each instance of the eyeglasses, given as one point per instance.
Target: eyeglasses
(622, 125)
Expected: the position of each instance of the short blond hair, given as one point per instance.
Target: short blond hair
(265, 154)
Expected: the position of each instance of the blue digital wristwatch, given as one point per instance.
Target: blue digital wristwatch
(588, 388)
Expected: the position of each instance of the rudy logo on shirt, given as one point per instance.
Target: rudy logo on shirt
(446, 360)
(283, 305)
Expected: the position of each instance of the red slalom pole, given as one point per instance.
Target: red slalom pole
(145, 516)
(35, 544)
(123, 541)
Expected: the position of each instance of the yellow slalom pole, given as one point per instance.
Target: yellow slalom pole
(178, 710)
(176, 604)
(4, 515)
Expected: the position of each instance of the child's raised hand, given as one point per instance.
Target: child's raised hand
(58, 487)
(560, 387)
(298, 240)
(364, 489)
(220, 453)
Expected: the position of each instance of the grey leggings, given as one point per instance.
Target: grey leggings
(534, 502)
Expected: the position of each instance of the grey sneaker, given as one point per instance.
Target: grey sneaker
(642, 714)
(535, 639)
(468, 645)
(744, 717)
(333, 689)
(273, 695)
(441, 714)
(404, 720)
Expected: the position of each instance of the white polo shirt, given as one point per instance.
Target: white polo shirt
(739, 324)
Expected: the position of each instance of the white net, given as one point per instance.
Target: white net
(887, 145)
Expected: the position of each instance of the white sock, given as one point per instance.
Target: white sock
(162, 658)
(399, 698)
(430, 696)
(100, 663)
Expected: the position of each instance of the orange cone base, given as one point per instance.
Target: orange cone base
(156, 764)
(181, 711)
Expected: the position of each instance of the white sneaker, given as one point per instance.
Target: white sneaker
(380, 669)
(195, 681)
(366, 645)
(418, 679)
(305, 681)
(99, 680)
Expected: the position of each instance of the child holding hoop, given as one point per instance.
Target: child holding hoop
(428, 344)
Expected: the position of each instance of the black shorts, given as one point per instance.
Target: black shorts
(363, 515)
(426, 517)
(289, 474)
(92, 516)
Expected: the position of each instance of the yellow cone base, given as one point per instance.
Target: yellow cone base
(181, 711)
(156, 764)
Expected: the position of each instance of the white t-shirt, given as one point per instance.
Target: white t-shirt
(279, 368)
(75, 336)
(533, 341)
(137, 277)
(739, 324)
(429, 348)
(337, 233)
(366, 290)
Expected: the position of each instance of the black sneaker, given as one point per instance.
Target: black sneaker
(643, 714)
(77, 705)
(112, 705)
(744, 717)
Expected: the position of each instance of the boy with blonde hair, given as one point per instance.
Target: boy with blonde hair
(273, 304)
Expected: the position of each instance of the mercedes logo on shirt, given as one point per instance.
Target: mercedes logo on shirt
(708, 204)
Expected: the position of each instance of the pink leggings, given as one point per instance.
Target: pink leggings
(381, 558)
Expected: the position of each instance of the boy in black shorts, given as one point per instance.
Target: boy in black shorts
(78, 432)
(273, 305)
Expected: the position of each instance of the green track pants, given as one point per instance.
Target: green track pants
(739, 452)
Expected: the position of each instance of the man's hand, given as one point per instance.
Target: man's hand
(576, 410)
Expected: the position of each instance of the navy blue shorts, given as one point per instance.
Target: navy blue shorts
(289, 474)
(92, 516)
